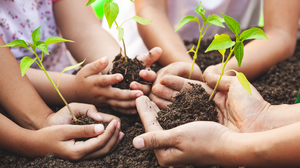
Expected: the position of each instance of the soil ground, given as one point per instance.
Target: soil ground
(279, 86)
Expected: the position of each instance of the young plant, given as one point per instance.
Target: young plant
(207, 21)
(298, 98)
(111, 11)
(26, 61)
(223, 42)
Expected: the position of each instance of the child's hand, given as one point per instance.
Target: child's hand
(63, 116)
(147, 74)
(59, 140)
(90, 86)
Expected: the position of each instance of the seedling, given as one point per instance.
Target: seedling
(27, 61)
(207, 21)
(223, 42)
(298, 98)
(111, 11)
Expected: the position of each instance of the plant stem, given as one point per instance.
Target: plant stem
(55, 87)
(124, 50)
(222, 72)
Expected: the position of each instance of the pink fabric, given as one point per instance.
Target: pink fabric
(54, 0)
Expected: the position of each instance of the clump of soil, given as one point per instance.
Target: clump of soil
(130, 71)
(188, 105)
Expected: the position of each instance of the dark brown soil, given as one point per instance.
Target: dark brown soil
(279, 86)
(130, 71)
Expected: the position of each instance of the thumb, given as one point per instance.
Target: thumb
(153, 140)
(152, 56)
(83, 131)
(94, 68)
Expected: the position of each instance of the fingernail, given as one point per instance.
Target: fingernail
(99, 117)
(133, 112)
(139, 94)
(103, 60)
(139, 143)
(99, 128)
(118, 125)
(143, 74)
(121, 135)
(119, 77)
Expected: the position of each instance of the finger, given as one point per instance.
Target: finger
(122, 104)
(161, 103)
(94, 67)
(107, 80)
(148, 113)
(107, 118)
(149, 76)
(153, 140)
(120, 94)
(137, 86)
(211, 77)
(163, 92)
(80, 109)
(82, 131)
(129, 111)
(151, 56)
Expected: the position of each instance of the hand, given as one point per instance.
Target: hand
(166, 85)
(59, 140)
(240, 111)
(178, 146)
(147, 74)
(90, 86)
(63, 116)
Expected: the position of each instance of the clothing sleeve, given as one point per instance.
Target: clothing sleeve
(54, 0)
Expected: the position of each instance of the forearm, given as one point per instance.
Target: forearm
(160, 32)
(274, 148)
(80, 24)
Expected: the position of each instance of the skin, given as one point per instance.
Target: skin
(37, 130)
(89, 84)
(251, 132)
(280, 25)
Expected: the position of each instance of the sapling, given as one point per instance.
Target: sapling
(207, 21)
(111, 11)
(223, 42)
(27, 61)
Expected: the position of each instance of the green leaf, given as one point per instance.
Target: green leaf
(69, 68)
(220, 43)
(233, 25)
(111, 11)
(253, 33)
(141, 20)
(244, 82)
(199, 9)
(52, 40)
(16, 43)
(32, 46)
(90, 2)
(36, 34)
(185, 20)
(120, 33)
(42, 46)
(25, 63)
(298, 98)
(239, 52)
(216, 20)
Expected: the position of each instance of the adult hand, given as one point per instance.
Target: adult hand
(60, 141)
(147, 74)
(177, 146)
(63, 116)
(166, 86)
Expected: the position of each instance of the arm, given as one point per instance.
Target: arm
(281, 26)
(79, 23)
(160, 32)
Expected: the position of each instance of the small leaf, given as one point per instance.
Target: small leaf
(253, 33)
(69, 68)
(233, 25)
(216, 20)
(244, 82)
(32, 46)
(220, 43)
(185, 20)
(90, 2)
(42, 46)
(36, 34)
(222, 52)
(141, 20)
(111, 11)
(120, 33)
(298, 98)
(239, 52)
(199, 9)
(25, 63)
(16, 43)
(52, 40)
